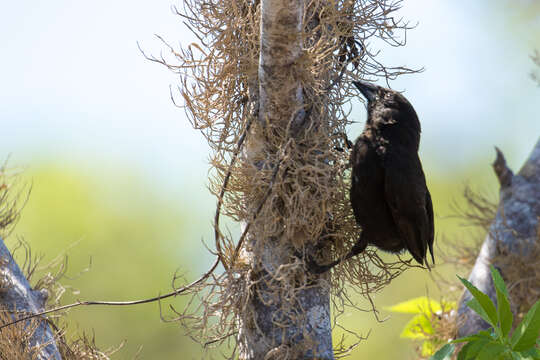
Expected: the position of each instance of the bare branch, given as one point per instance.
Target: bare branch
(513, 234)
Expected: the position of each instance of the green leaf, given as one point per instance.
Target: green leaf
(482, 334)
(444, 353)
(526, 333)
(532, 354)
(465, 339)
(417, 328)
(481, 301)
(471, 349)
(491, 350)
(503, 305)
(505, 314)
(422, 305)
(475, 305)
(498, 280)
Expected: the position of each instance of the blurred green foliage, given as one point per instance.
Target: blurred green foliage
(135, 241)
(422, 327)
(137, 235)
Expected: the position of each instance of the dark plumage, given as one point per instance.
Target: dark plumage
(388, 194)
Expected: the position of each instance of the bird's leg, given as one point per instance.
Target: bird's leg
(348, 143)
(315, 268)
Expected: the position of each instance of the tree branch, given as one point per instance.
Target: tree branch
(16, 296)
(513, 231)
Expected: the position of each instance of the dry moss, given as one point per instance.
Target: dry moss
(476, 214)
(13, 196)
(15, 340)
(521, 272)
(445, 326)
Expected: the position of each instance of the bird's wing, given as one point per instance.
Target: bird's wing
(407, 196)
(431, 234)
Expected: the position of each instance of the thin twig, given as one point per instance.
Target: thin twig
(224, 188)
(119, 303)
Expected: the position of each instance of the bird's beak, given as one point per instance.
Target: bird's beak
(367, 89)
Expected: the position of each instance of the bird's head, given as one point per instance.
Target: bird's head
(387, 106)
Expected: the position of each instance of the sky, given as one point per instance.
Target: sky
(77, 90)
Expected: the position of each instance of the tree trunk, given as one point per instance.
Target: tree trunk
(279, 327)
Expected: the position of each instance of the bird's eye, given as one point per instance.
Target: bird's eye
(388, 96)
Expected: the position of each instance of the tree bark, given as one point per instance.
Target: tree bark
(514, 230)
(17, 295)
(305, 331)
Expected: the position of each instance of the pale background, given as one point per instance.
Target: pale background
(117, 169)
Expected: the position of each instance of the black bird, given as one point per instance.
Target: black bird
(388, 194)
